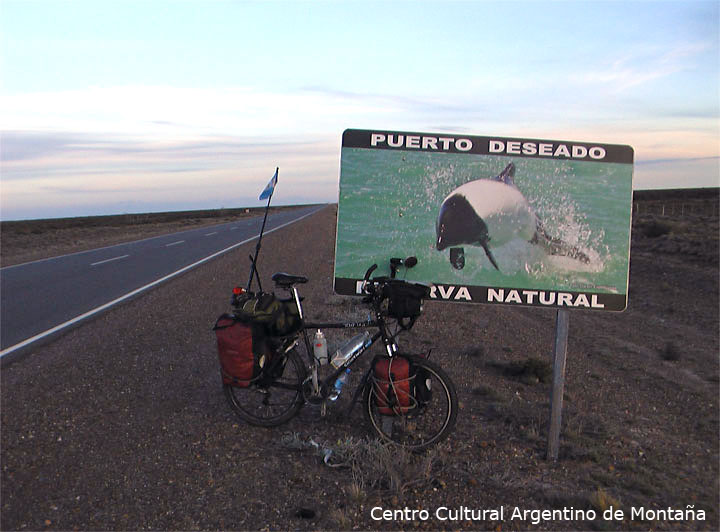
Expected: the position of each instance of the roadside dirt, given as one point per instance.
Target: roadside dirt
(121, 423)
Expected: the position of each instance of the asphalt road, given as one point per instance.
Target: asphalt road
(42, 297)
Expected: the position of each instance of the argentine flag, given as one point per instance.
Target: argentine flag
(270, 186)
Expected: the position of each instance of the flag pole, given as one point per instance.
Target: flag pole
(253, 267)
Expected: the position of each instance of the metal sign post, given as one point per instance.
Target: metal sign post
(558, 383)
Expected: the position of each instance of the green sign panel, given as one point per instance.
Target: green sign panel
(490, 219)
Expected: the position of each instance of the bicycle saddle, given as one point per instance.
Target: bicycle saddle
(287, 280)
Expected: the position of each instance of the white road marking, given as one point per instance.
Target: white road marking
(211, 234)
(109, 260)
(137, 291)
(174, 243)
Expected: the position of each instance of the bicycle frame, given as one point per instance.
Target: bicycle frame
(398, 414)
(320, 388)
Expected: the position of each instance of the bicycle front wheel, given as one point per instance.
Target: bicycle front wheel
(430, 418)
(275, 397)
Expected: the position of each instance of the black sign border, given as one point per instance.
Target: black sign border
(610, 302)
(614, 153)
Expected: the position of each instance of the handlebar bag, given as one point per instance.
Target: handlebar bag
(242, 350)
(405, 299)
(392, 385)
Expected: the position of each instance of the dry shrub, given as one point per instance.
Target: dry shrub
(529, 371)
(341, 519)
(375, 465)
(671, 352)
(489, 393)
(655, 228)
(601, 500)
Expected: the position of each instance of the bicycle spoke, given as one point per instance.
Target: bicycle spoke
(271, 401)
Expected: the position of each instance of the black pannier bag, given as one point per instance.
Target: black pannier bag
(422, 385)
(278, 317)
(242, 350)
(405, 301)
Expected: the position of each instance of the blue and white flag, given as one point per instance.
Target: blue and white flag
(270, 186)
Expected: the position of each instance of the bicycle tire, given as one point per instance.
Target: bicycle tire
(424, 425)
(271, 401)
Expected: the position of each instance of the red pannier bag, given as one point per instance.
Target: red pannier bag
(392, 385)
(241, 355)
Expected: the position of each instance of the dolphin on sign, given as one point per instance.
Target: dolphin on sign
(489, 213)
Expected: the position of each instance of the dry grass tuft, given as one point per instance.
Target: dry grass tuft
(601, 500)
(375, 465)
(341, 519)
(382, 466)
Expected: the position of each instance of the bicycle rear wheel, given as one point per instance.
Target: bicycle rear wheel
(432, 416)
(275, 397)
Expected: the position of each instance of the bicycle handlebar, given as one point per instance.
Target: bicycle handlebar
(394, 264)
(368, 273)
(408, 263)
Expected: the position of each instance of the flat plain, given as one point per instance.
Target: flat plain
(121, 423)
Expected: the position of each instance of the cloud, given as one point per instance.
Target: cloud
(20, 146)
(679, 160)
(643, 66)
(677, 173)
(45, 171)
(172, 112)
(23, 149)
(156, 112)
(213, 147)
(396, 103)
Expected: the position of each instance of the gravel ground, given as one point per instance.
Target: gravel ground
(121, 423)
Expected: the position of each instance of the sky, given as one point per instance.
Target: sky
(121, 106)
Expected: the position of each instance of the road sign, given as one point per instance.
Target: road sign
(490, 219)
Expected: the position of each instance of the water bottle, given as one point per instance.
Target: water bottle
(320, 348)
(347, 351)
(337, 388)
